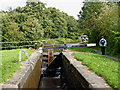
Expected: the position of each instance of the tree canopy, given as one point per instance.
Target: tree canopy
(36, 22)
(101, 19)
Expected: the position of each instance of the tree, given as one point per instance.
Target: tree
(101, 19)
(90, 11)
(35, 22)
(32, 29)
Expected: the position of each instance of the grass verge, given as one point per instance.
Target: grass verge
(10, 62)
(83, 49)
(105, 67)
(107, 52)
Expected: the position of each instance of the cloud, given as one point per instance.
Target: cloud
(71, 7)
(5, 4)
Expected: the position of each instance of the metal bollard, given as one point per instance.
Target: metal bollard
(65, 46)
(40, 51)
(35, 45)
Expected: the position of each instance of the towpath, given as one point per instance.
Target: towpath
(99, 52)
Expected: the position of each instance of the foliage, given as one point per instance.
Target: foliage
(36, 22)
(101, 19)
(10, 62)
(117, 55)
(105, 67)
(59, 41)
(90, 11)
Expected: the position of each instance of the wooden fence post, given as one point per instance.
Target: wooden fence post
(50, 56)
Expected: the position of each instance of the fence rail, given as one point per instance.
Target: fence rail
(36, 44)
(18, 44)
(24, 44)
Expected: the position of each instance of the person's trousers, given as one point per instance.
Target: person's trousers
(103, 50)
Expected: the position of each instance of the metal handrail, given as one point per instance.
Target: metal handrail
(26, 55)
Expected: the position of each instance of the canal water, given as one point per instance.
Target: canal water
(52, 77)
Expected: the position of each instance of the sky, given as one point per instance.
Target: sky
(71, 7)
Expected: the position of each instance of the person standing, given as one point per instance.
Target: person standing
(103, 44)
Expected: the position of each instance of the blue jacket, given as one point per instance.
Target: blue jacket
(104, 44)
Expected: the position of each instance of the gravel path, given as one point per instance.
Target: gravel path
(96, 52)
(105, 55)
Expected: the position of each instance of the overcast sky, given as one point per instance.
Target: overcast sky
(71, 7)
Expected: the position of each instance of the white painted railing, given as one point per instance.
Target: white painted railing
(26, 55)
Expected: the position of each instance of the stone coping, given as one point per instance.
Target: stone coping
(18, 80)
(94, 81)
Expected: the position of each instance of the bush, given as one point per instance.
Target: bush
(117, 45)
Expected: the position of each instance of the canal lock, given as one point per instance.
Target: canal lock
(52, 76)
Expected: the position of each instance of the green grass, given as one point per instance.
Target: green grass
(97, 48)
(10, 62)
(83, 49)
(105, 67)
(107, 52)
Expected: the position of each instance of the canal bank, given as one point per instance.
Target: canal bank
(81, 74)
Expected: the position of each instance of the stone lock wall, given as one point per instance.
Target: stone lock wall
(34, 77)
(73, 78)
(78, 76)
